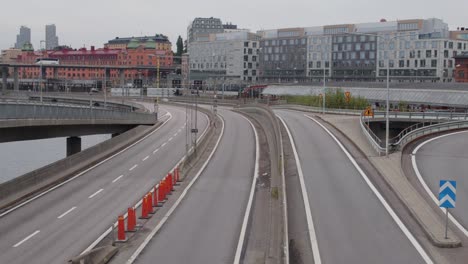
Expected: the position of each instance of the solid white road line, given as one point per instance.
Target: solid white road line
(156, 150)
(83, 172)
(145, 158)
(96, 193)
(133, 167)
(176, 204)
(140, 202)
(426, 187)
(116, 179)
(67, 212)
(305, 198)
(25, 239)
(389, 209)
(248, 209)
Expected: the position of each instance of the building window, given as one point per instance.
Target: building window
(428, 53)
(434, 63)
(422, 63)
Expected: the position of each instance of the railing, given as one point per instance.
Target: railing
(14, 110)
(408, 137)
(445, 121)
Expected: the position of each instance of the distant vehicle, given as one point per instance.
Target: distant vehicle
(94, 90)
(47, 61)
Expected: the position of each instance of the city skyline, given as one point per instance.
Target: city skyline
(95, 27)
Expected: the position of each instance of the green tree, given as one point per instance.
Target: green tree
(180, 46)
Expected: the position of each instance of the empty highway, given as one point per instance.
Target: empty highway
(445, 158)
(205, 227)
(351, 224)
(65, 221)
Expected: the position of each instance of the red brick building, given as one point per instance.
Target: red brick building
(135, 54)
(461, 67)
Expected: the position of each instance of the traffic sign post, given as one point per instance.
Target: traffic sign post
(347, 97)
(447, 198)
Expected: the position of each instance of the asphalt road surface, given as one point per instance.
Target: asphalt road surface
(446, 158)
(62, 223)
(205, 227)
(352, 225)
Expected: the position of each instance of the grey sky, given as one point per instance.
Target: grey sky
(93, 22)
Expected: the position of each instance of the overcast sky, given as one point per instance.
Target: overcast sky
(93, 22)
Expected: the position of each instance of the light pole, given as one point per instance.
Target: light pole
(324, 89)
(279, 74)
(387, 118)
(40, 70)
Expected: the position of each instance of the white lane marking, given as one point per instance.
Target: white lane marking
(109, 230)
(85, 171)
(175, 134)
(305, 198)
(164, 144)
(116, 179)
(145, 158)
(67, 212)
(426, 187)
(156, 150)
(176, 204)
(170, 139)
(96, 193)
(248, 209)
(133, 167)
(389, 209)
(285, 205)
(178, 131)
(25, 239)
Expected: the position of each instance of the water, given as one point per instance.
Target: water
(18, 158)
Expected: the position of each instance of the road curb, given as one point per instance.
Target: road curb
(430, 234)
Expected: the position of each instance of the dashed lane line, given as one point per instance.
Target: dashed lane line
(145, 158)
(96, 193)
(133, 167)
(67, 212)
(26, 239)
(116, 179)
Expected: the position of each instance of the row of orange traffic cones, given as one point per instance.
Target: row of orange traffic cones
(152, 199)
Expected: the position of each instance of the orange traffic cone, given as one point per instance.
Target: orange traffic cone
(155, 197)
(149, 203)
(176, 176)
(161, 192)
(131, 220)
(121, 230)
(144, 208)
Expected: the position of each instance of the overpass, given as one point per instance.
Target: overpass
(29, 121)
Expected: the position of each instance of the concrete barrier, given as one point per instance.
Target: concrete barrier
(278, 241)
(100, 255)
(43, 178)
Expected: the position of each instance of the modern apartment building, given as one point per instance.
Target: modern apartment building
(231, 57)
(23, 37)
(416, 50)
(201, 28)
(283, 55)
(51, 38)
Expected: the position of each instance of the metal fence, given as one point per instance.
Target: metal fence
(445, 121)
(13, 110)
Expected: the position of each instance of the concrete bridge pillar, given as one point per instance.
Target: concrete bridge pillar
(73, 145)
(15, 79)
(4, 79)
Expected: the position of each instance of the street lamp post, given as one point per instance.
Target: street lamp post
(279, 74)
(40, 71)
(387, 118)
(324, 89)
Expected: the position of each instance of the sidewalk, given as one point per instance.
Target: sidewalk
(391, 170)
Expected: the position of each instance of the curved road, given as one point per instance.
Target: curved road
(62, 223)
(205, 227)
(446, 158)
(351, 224)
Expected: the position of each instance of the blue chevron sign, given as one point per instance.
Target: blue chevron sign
(447, 194)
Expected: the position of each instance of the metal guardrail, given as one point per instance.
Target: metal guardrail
(13, 110)
(318, 109)
(445, 121)
(429, 130)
